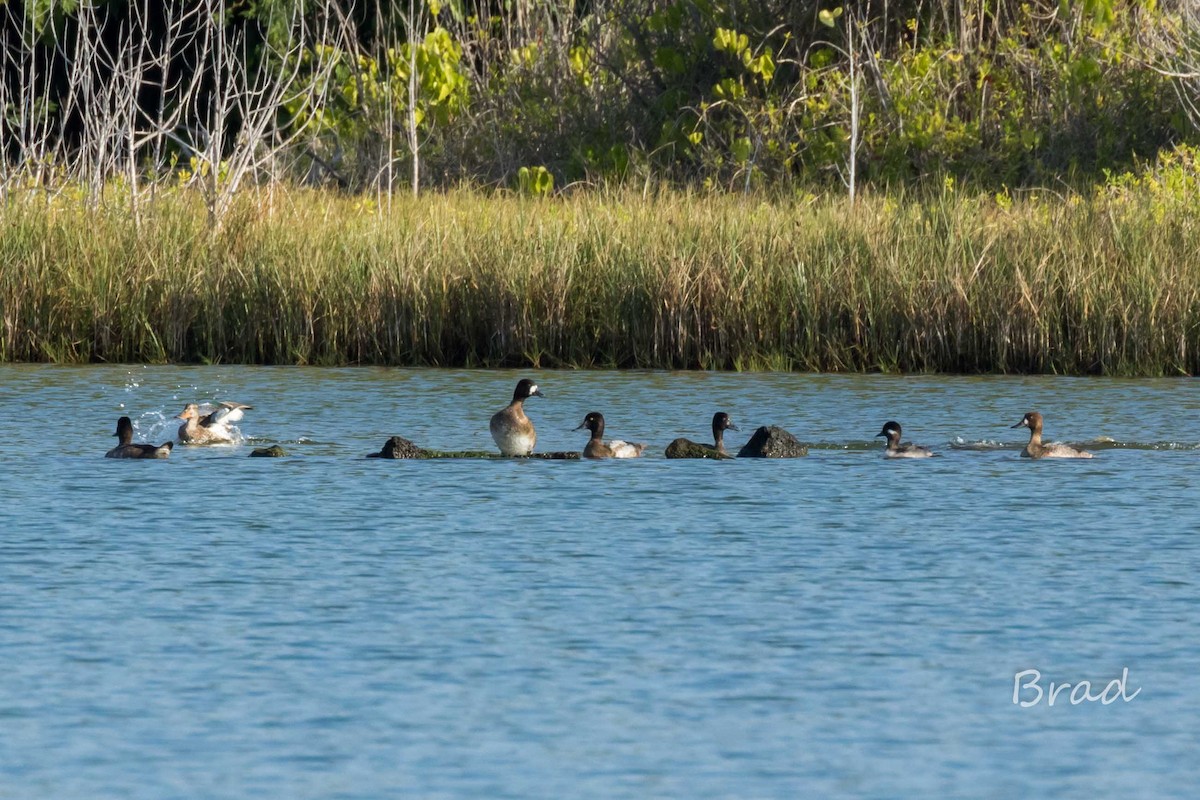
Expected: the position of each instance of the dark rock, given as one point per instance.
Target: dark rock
(559, 455)
(274, 451)
(686, 448)
(770, 441)
(458, 454)
(399, 447)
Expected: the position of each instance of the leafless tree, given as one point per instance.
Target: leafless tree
(1176, 41)
(26, 119)
(237, 131)
(232, 114)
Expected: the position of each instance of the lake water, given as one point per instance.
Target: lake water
(327, 626)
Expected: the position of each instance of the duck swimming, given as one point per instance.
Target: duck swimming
(598, 448)
(1035, 448)
(127, 449)
(511, 429)
(686, 448)
(895, 449)
(211, 428)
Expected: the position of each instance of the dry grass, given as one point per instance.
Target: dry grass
(1107, 285)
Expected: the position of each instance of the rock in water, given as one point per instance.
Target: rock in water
(274, 451)
(686, 448)
(770, 441)
(399, 447)
(569, 455)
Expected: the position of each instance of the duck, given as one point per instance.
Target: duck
(686, 448)
(211, 428)
(895, 449)
(598, 448)
(511, 429)
(127, 449)
(1035, 448)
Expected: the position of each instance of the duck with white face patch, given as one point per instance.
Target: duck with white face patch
(1035, 448)
(686, 448)
(513, 431)
(895, 449)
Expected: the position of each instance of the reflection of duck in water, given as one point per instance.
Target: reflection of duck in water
(686, 448)
(211, 428)
(598, 448)
(511, 429)
(1035, 448)
(127, 449)
(895, 449)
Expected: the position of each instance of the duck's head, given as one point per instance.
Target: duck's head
(525, 389)
(124, 430)
(721, 422)
(594, 422)
(1032, 420)
(891, 430)
(190, 411)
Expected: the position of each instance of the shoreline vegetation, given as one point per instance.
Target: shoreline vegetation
(966, 186)
(1038, 282)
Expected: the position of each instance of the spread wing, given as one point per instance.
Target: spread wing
(226, 413)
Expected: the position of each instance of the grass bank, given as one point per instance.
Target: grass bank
(1106, 284)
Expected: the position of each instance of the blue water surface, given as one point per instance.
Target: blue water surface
(328, 626)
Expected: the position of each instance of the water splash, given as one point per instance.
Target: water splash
(984, 445)
(1098, 443)
(160, 425)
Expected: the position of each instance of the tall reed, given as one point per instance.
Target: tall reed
(957, 284)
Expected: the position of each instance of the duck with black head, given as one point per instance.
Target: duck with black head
(127, 449)
(598, 448)
(1035, 448)
(896, 449)
(686, 448)
(513, 431)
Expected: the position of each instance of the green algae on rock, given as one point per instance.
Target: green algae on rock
(399, 447)
(686, 448)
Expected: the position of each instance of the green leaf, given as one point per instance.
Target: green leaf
(829, 18)
(669, 60)
(741, 149)
(536, 181)
(764, 65)
(730, 41)
(729, 89)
